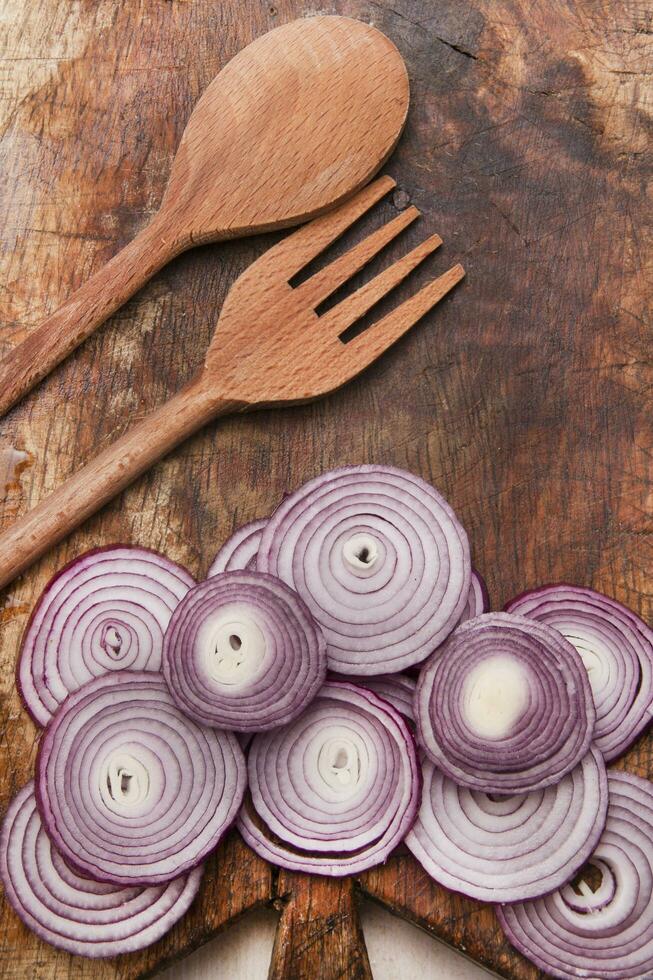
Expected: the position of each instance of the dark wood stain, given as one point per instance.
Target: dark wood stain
(525, 397)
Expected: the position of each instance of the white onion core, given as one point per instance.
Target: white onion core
(495, 697)
(114, 643)
(232, 647)
(339, 764)
(361, 551)
(125, 779)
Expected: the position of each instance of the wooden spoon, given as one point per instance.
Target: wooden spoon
(299, 120)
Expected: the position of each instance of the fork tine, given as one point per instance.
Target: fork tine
(376, 339)
(326, 281)
(295, 251)
(356, 305)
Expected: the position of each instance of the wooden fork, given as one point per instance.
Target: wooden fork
(270, 347)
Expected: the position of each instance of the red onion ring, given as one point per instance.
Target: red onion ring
(478, 598)
(380, 560)
(337, 790)
(608, 932)
(243, 652)
(239, 551)
(505, 706)
(105, 611)
(509, 848)
(397, 689)
(478, 602)
(129, 789)
(76, 913)
(616, 647)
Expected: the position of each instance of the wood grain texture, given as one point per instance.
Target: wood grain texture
(295, 122)
(526, 398)
(319, 933)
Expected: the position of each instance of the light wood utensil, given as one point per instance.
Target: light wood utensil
(299, 120)
(270, 348)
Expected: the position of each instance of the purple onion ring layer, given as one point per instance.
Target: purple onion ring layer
(616, 647)
(243, 652)
(239, 551)
(130, 790)
(509, 848)
(104, 612)
(505, 706)
(71, 911)
(397, 689)
(337, 790)
(598, 928)
(478, 598)
(381, 561)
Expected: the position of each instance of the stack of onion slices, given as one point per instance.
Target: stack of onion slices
(505, 706)
(76, 913)
(335, 791)
(243, 652)
(379, 558)
(129, 789)
(616, 647)
(603, 929)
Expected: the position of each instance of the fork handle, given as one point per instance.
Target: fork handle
(100, 296)
(109, 473)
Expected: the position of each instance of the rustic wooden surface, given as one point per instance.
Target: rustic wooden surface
(525, 397)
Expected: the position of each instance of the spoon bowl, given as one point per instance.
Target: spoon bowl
(299, 120)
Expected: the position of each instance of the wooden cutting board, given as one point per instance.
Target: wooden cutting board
(525, 397)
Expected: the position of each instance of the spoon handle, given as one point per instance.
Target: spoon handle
(111, 471)
(58, 335)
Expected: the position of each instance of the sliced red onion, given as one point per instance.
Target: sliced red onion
(478, 602)
(397, 689)
(129, 789)
(379, 558)
(239, 551)
(71, 911)
(243, 652)
(505, 706)
(616, 647)
(337, 790)
(509, 848)
(106, 611)
(478, 598)
(602, 929)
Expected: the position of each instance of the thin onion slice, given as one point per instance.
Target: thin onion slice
(337, 790)
(603, 929)
(243, 652)
(478, 598)
(478, 602)
(239, 551)
(130, 790)
(616, 647)
(397, 689)
(505, 706)
(74, 912)
(104, 612)
(509, 848)
(381, 561)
